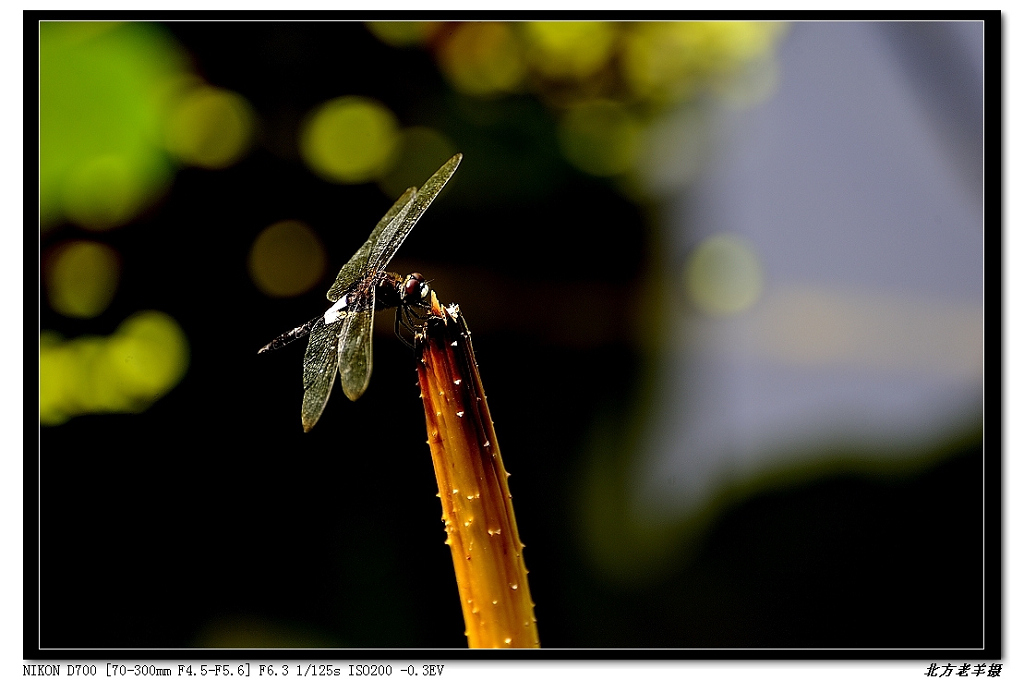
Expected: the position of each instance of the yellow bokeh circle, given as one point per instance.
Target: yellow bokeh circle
(146, 357)
(569, 49)
(286, 259)
(600, 137)
(81, 278)
(403, 33)
(723, 275)
(483, 59)
(350, 140)
(209, 127)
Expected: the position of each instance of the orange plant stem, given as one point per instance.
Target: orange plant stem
(473, 488)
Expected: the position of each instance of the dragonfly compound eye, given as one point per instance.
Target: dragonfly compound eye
(415, 288)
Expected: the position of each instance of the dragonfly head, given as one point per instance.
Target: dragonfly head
(415, 289)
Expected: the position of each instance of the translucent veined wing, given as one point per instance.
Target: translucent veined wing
(355, 348)
(345, 344)
(355, 268)
(391, 237)
(319, 366)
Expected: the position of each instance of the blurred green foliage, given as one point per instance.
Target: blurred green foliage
(146, 356)
(607, 83)
(119, 108)
(103, 92)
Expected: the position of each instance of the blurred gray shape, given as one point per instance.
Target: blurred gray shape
(859, 186)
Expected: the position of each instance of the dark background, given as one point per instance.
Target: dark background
(212, 520)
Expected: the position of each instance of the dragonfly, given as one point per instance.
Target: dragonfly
(340, 338)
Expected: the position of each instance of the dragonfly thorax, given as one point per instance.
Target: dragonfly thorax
(395, 290)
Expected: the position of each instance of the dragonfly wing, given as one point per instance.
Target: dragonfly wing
(354, 268)
(391, 237)
(345, 345)
(355, 350)
(318, 369)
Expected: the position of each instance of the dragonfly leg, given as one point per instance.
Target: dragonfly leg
(406, 317)
(401, 323)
